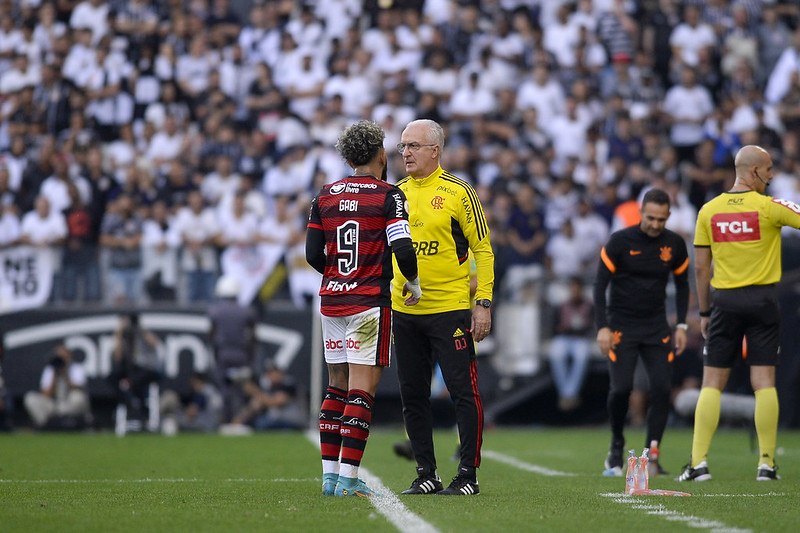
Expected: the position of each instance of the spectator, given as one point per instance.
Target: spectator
(564, 257)
(200, 411)
(121, 235)
(159, 254)
(570, 348)
(689, 37)
(527, 238)
(273, 402)
(61, 401)
(56, 187)
(44, 228)
(774, 36)
(167, 144)
(686, 108)
(91, 15)
(9, 225)
(197, 228)
(221, 182)
(80, 266)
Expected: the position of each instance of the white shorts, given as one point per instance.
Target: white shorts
(362, 339)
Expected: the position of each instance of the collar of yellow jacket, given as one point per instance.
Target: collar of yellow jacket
(428, 180)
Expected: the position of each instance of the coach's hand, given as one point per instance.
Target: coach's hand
(604, 340)
(680, 340)
(481, 323)
(413, 287)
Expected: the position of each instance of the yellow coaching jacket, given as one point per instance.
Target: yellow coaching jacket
(447, 221)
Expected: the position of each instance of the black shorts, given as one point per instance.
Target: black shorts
(752, 312)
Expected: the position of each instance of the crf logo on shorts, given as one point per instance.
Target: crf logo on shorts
(332, 344)
(735, 227)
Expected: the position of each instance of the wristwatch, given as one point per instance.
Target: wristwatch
(484, 303)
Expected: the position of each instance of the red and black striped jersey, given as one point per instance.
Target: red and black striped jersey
(360, 217)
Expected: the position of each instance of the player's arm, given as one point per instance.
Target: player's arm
(476, 230)
(681, 277)
(315, 239)
(605, 269)
(477, 233)
(398, 234)
(702, 272)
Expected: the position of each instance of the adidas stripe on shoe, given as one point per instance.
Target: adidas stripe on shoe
(698, 473)
(425, 485)
(461, 486)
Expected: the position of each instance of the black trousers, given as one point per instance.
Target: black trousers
(421, 341)
(652, 342)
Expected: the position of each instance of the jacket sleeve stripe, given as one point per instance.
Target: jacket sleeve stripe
(477, 209)
(681, 269)
(607, 261)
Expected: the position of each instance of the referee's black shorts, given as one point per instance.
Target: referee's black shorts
(752, 312)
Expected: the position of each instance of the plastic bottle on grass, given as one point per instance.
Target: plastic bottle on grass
(630, 474)
(643, 474)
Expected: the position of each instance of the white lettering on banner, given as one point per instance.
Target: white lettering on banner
(93, 335)
(26, 278)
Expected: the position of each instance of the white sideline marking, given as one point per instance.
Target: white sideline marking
(160, 480)
(522, 465)
(389, 505)
(675, 516)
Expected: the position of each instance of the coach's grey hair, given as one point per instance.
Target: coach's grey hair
(435, 133)
(360, 143)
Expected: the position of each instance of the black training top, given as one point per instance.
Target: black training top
(638, 268)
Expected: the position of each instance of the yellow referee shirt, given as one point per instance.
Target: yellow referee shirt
(447, 221)
(743, 230)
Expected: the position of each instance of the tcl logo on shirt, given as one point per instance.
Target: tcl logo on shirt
(735, 227)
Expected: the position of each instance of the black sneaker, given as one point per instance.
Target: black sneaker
(613, 463)
(425, 485)
(461, 486)
(698, 473)
(767, 473)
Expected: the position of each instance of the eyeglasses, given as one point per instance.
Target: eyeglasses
(413, 147)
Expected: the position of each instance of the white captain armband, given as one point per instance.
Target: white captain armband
(398, 230)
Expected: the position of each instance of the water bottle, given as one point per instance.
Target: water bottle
(652, 464)
(630, 474)
(643, 476)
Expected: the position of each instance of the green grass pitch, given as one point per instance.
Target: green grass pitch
(270, 482)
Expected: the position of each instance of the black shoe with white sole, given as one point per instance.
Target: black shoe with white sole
(425, 485)
(461, 486)
(697, 473)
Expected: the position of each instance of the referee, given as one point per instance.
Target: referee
(740, 232)
(637, 262)
(447, 221)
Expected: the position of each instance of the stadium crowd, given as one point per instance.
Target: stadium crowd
(141, 140)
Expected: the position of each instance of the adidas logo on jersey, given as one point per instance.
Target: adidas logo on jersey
(458, 333)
